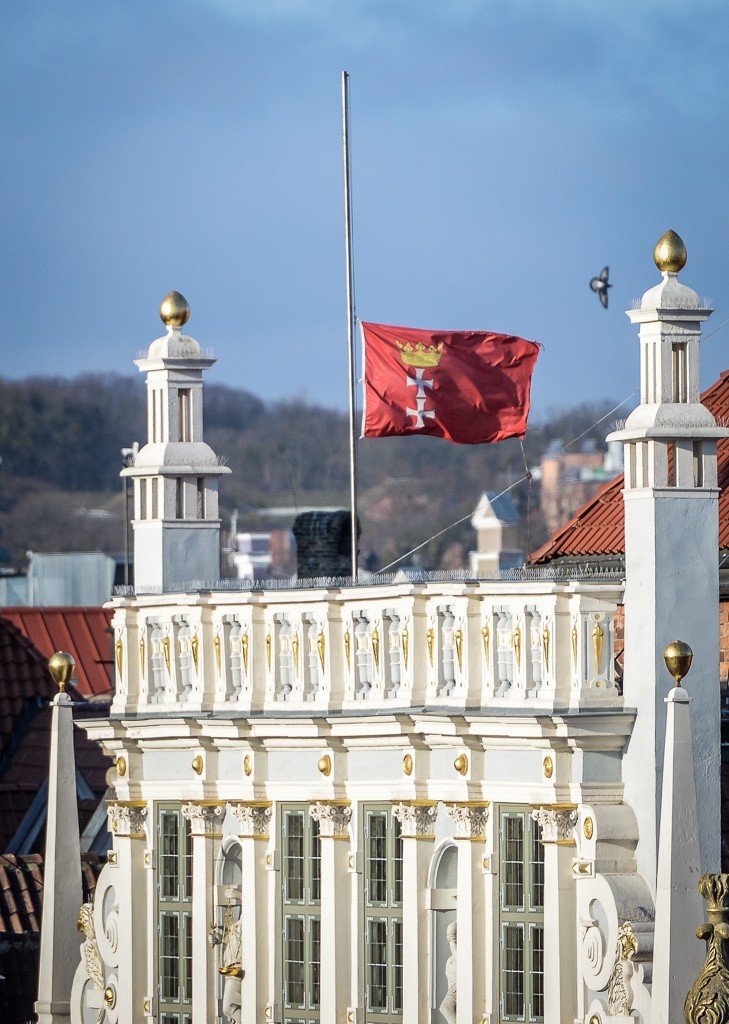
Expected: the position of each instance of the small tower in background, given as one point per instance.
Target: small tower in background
(671, 501)
(176, 524)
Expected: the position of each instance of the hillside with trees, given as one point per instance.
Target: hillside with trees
(61, 441)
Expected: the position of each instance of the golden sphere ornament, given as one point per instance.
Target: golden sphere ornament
(174, 310)
(670, 253)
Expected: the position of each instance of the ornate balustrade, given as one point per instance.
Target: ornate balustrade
(456, 646)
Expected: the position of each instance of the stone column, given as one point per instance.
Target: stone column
(206, 821)
(556, 824)
(676, 962)
(60, 941)
(334, 819)
(417, 826)
(253, 829)
(473, 931)
(127, 825)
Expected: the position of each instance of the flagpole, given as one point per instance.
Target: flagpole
(350, 324)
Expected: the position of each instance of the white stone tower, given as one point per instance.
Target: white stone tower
(671, 553)
(176, 524)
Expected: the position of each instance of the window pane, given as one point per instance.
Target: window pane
(397, 888)
(537, 866)
(376, 965)
(294, 961)
(294, 856)
(315, 995)
(187, 987)
(186, 840)
(170, 957)
(377, 857)
(513, 974)
(315, 862)
(513, 891)
(169, 847)
(397, 966)
(537, 934)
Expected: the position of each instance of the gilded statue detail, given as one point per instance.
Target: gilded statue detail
(708, 998)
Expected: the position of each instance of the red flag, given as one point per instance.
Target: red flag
(470, 387)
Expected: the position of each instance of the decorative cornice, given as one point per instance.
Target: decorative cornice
(127, 819)
(417, 821)
(470, 820)
(253, 819)
(556, 824)
(205, 818)
(333, 819)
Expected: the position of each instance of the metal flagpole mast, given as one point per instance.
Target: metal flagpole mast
(350, 323)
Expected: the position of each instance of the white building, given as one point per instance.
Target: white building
(406, 802)
(496, 521)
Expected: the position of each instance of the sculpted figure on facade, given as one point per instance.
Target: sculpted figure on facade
(228, 939)
(448, 1005)
(708, 999)
(620, 994)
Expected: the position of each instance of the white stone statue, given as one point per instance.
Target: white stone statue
(448, 1006)
(229, 939)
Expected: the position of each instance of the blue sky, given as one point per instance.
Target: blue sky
(503, 151)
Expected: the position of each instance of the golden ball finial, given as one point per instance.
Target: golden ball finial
(174, 310)
(670, 253)
(678, 657)
(61, 666)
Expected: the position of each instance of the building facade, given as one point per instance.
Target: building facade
(401, 801)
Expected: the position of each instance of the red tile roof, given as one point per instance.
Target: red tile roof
(21, 901)
(598, 528)
(21, 890)
(24, 678)
(83, 632)
(26, 689)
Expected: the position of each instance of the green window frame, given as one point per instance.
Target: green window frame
(521, 916)
(174, 916)
(383, 929)
(300, 915)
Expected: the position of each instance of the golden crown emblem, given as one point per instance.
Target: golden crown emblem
(420, 354)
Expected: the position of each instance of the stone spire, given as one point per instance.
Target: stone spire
(671, 551)
(60, 952)
(176, 524)
(679, 908)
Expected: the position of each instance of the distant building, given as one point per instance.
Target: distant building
(570, 478)
(496, 522)
(82, 578)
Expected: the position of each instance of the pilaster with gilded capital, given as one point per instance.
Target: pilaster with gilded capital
(470, 820)
(253, 819)
(417, 821)
(556, 823)
(206, 819)
(127, 818)
(333, 819)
